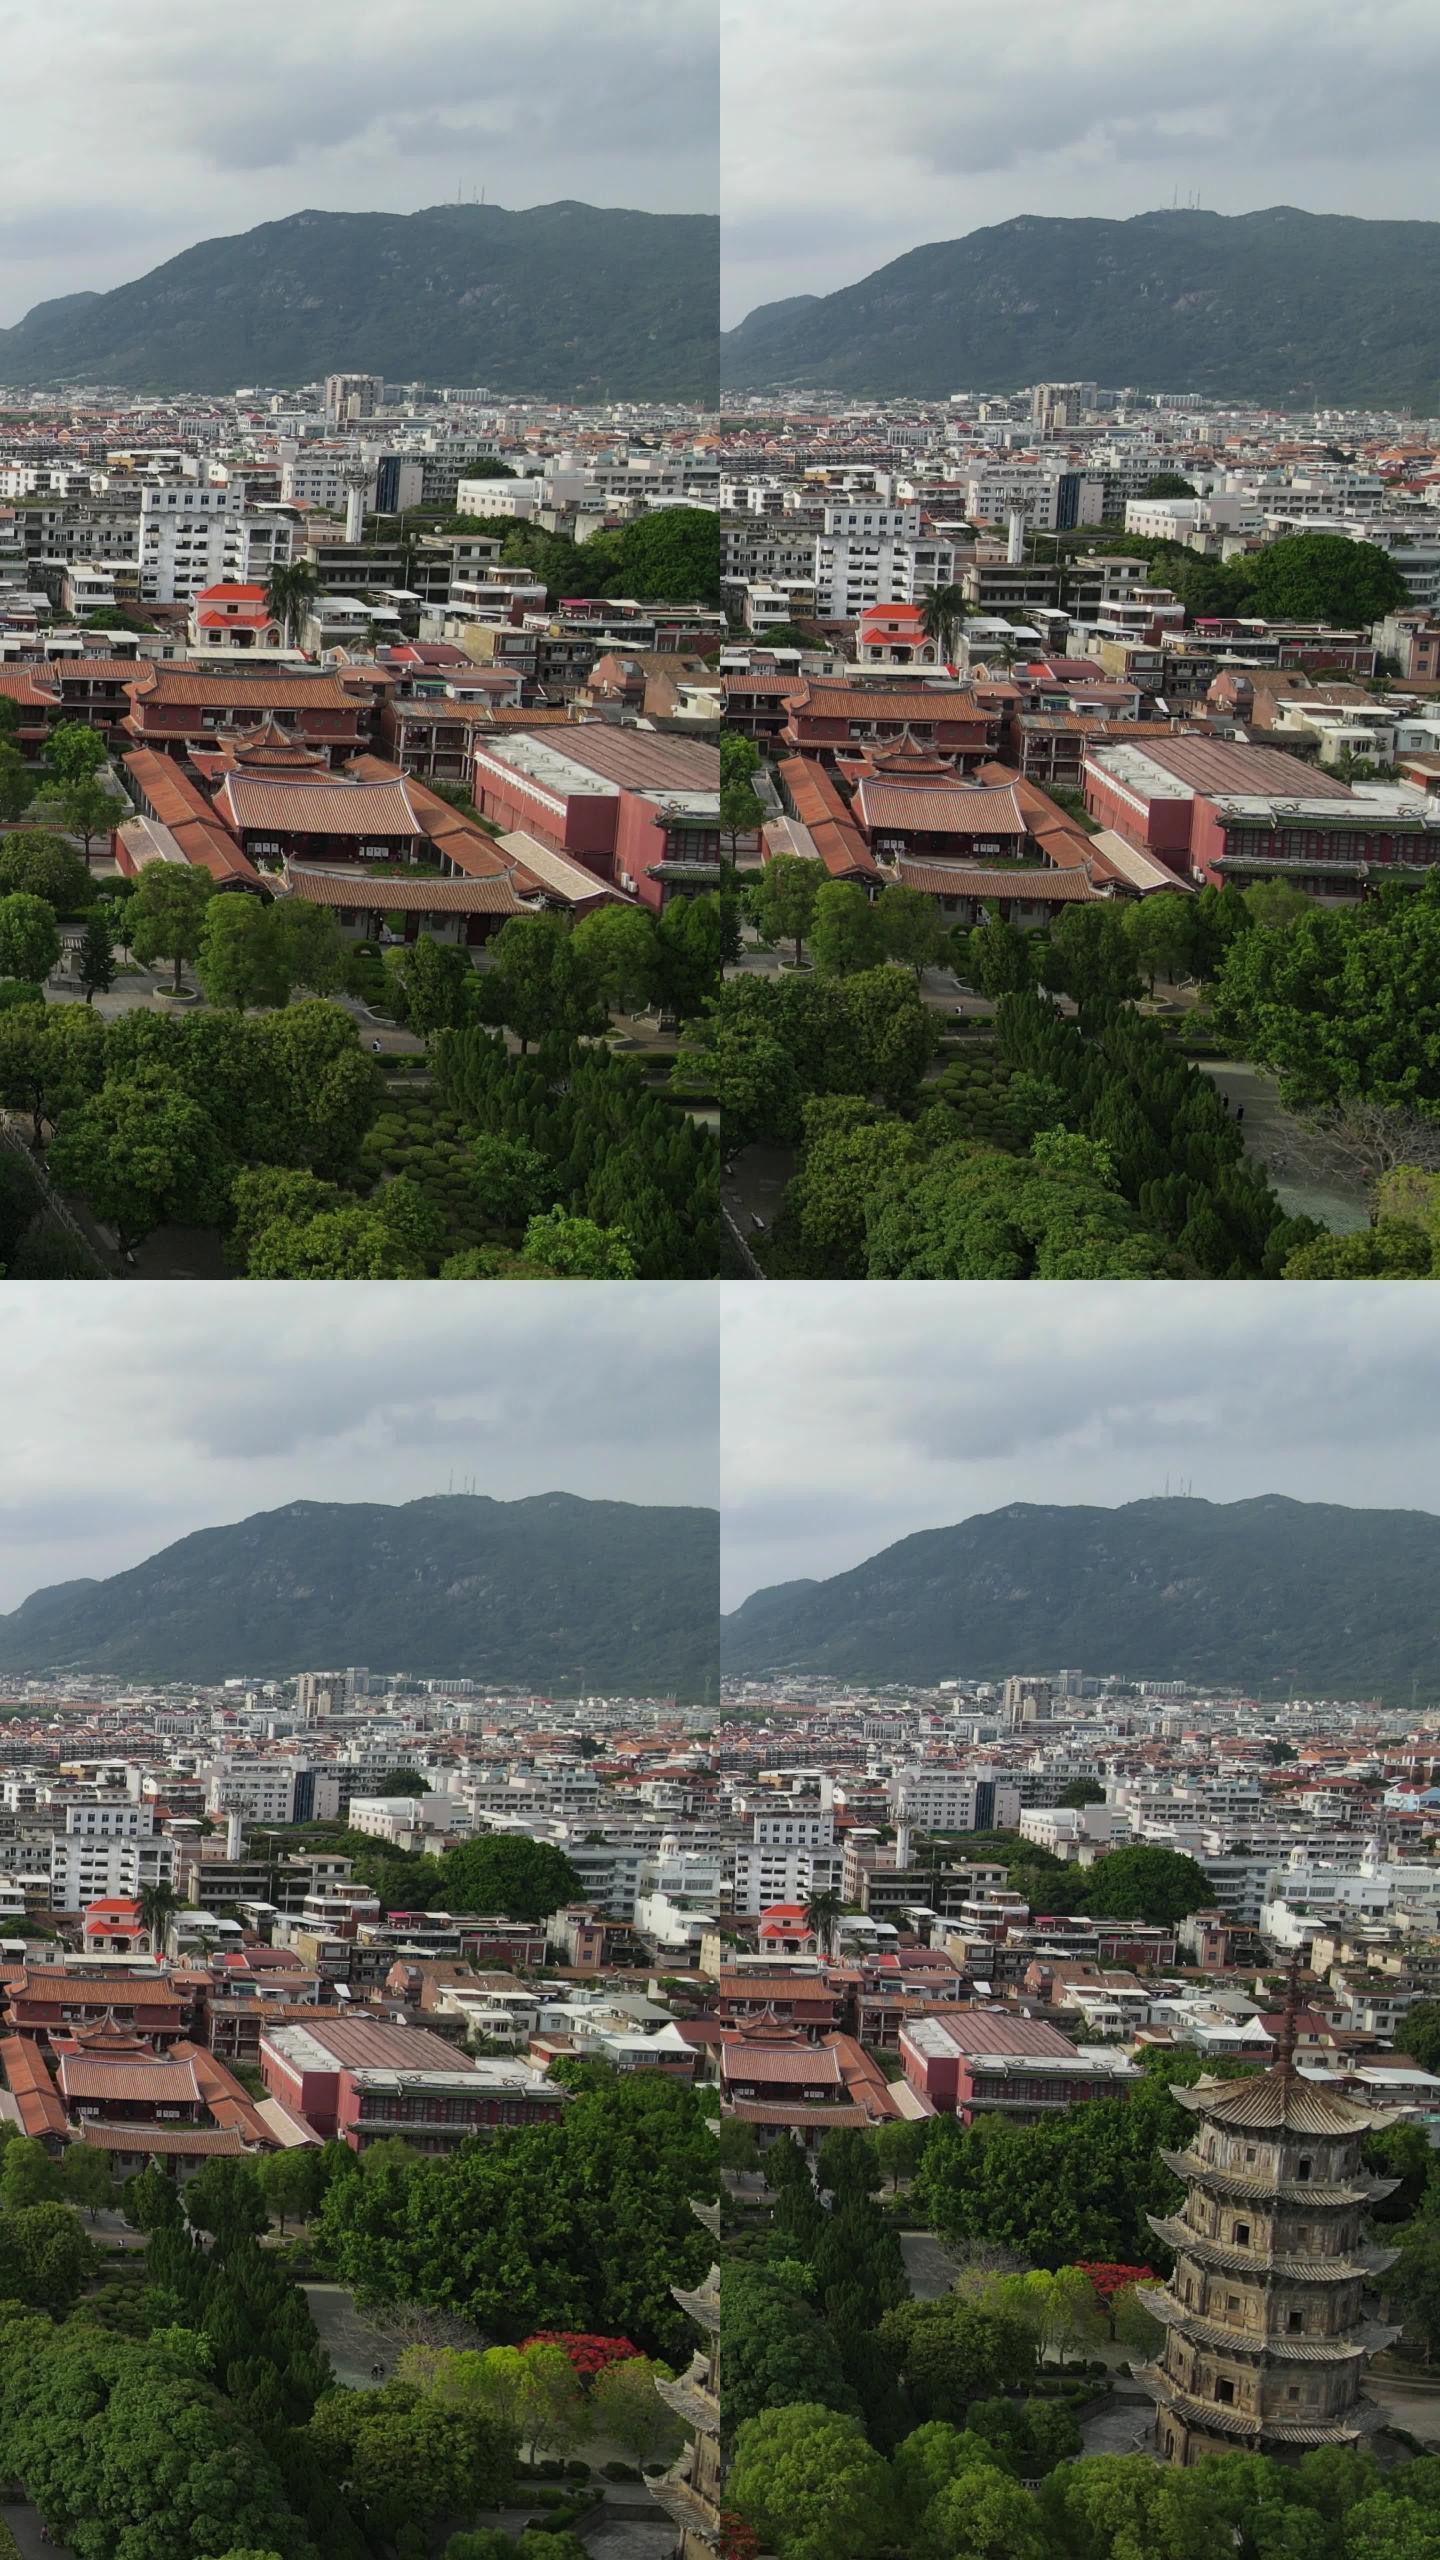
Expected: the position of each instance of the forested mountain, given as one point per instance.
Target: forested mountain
(569, 301)
(1281, 305)
(1268, 1594)
(551, 1593)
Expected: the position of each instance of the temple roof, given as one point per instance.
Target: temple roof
(106, 2035)
(269, 746)
(1281, 2100)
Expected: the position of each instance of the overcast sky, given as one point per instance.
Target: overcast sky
(851, 134)
(134, 1414)
(853, 1414)
(133, 128)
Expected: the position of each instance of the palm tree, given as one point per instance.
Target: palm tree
(293, 587)
(157, 1901)
(823, 1913)
(944, 613)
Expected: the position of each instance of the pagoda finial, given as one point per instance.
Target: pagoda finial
(1290, 2022)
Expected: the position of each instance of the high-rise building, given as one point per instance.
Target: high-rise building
(351, 396)
(1025, 1701)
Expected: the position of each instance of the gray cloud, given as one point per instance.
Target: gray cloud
(848, 140)
(854, 1414)
(179, 123)
(134, 1415)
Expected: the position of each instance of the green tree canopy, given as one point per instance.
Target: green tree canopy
(165, 918)
(1324, 577)
(29, 940)
(810, 2484)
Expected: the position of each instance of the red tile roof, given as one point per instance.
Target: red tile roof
(73, 1990)
(30, 2085)
(823, 701)
(951, 880)
(165, 2082)
(821, 811)
(956, 811)
(189, 688)
(338, 808)
(362, 892)
(173, 2140)
(810, 2066)
(458, 839)
(178, 805)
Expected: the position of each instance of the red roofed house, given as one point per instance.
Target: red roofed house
(894, 635)
(784, 1930)
(114, 2092)
(114, 1927)
(233, 617)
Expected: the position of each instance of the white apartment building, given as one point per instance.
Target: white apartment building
(255, 547)
(394, 1818)
(315, 480)
(611, 1872)
(1048, 497)
(868, 553)
(1375, 1888)
(791, 1853)
(1070, 1831)
(929, 1798)
(258, 1790)
(499, 497)
(182, 541)
(106, 1849)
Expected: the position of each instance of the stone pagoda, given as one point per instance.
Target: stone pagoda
(1266, 2341)
(690, 2491)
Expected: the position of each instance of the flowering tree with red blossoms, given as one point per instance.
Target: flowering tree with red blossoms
(588, 2353)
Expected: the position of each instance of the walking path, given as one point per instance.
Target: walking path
(25, 2525)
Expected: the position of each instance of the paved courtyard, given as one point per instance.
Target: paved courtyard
(353, 2343)
(928, 2264)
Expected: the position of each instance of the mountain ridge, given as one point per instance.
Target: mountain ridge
(1320, 1596)
(1279, 305)
(562, 300)
(548, 1592)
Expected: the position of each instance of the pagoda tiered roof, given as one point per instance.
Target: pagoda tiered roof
(703, 2304)
(1249, 2260)
(1280, 2100)
(1257, 2189)
(690, 2396)
(1356, 2344)
(1222, 2418)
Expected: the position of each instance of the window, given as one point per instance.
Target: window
(1294, 2323)
(1303, 2170)
(1225, 2391)
(1241, 2235)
